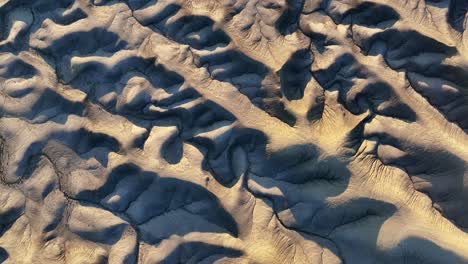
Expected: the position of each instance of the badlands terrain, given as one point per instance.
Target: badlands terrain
(234, 131)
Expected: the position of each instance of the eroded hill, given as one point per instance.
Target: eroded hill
(233, 131)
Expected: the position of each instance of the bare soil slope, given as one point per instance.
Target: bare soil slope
(234, 131)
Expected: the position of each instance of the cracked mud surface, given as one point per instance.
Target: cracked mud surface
(234, 131)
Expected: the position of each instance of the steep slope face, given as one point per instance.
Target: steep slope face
(233, 131)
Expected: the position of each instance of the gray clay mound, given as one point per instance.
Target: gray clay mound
(234, 131)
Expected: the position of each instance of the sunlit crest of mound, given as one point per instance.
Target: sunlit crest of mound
(233, 131)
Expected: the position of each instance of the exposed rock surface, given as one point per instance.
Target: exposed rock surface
(234, 131)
